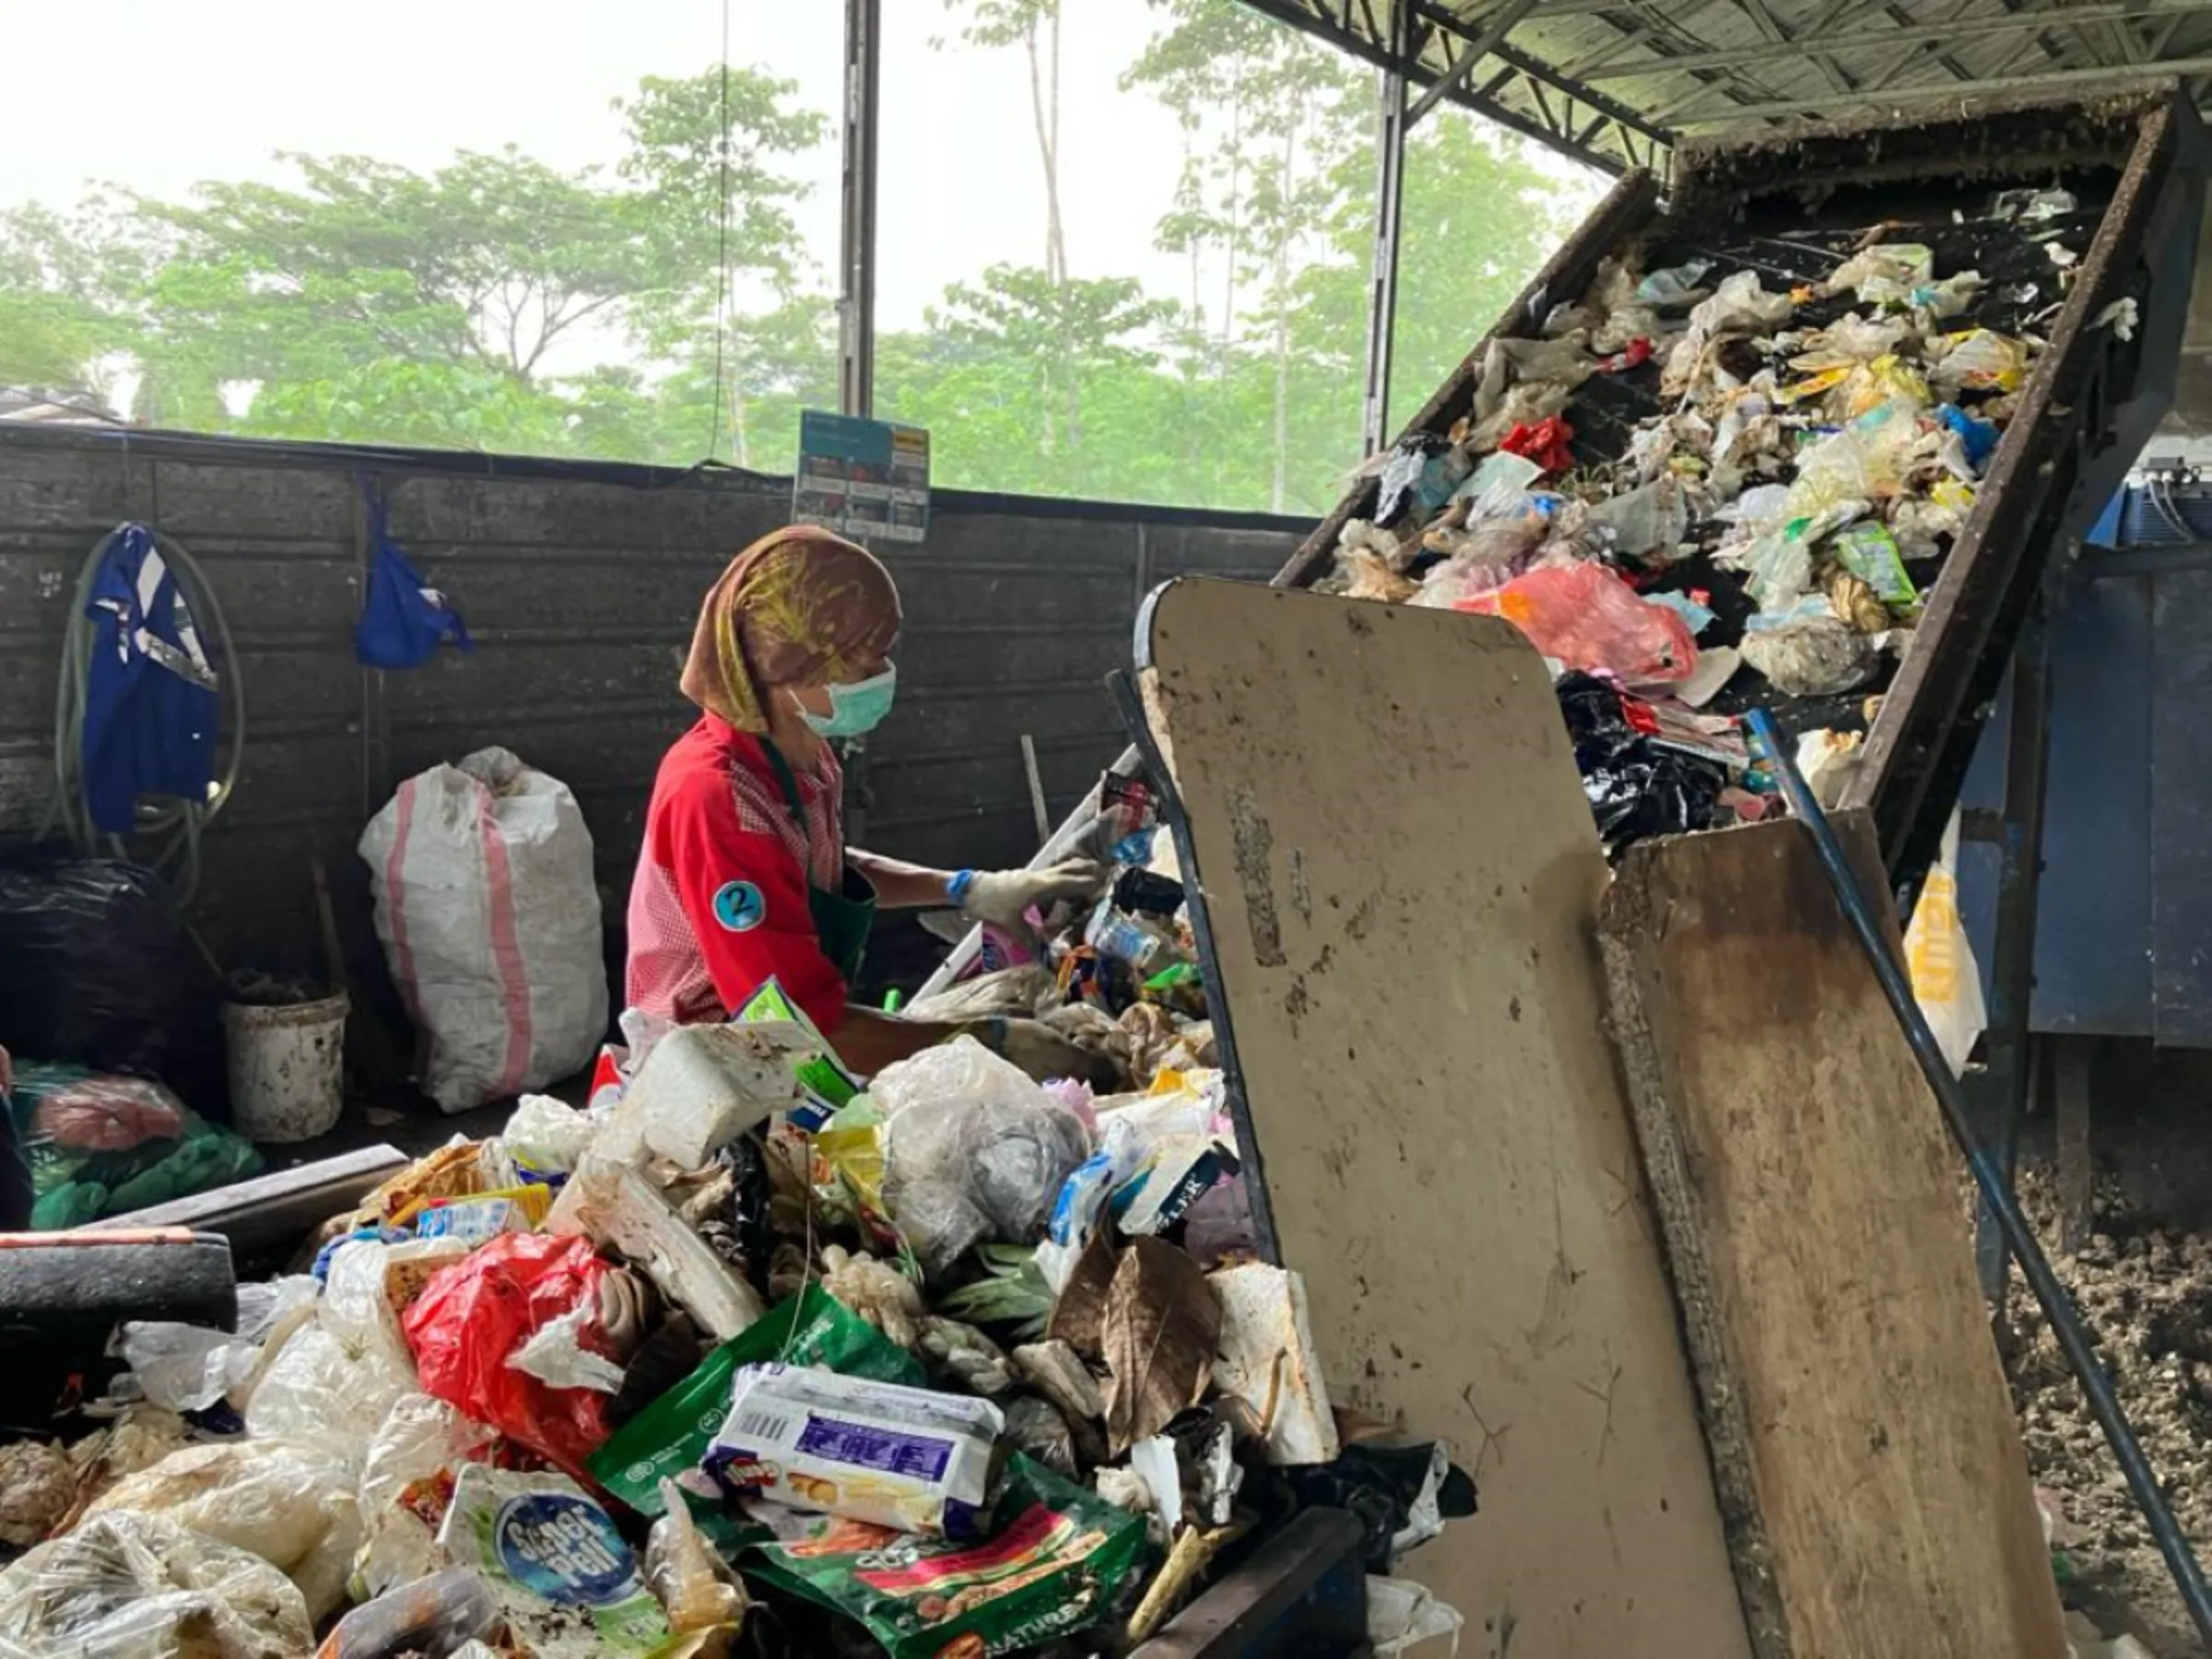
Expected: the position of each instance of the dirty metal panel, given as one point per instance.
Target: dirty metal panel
(2093, 910)
(2181, 815)
(1466, 1206)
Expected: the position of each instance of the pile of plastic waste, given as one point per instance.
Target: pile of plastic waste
(1726, 478)
(1119, 975)
(742, 1358)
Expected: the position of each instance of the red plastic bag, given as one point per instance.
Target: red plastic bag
(472, 1318)
(1545, 443)
(1589, 618)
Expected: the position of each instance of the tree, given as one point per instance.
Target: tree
(58, 322)
(1479, 220)
(1034, 26)
(1270, 120)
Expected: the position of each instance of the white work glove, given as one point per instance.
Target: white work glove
(1002, 897)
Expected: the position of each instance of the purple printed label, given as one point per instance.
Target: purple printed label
(867, 1446)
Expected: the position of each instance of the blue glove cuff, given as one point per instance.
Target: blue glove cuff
(957, 889)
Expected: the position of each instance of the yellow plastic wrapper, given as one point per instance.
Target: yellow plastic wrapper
(1979, 360)
(1870, 385)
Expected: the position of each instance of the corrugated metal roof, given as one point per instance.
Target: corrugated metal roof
(1616, 82)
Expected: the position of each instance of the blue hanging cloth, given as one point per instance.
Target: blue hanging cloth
(401, 619)
(150, 703)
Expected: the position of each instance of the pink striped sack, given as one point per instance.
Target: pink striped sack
(489, 917)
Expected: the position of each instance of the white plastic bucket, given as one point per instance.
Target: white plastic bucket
(287, 1067)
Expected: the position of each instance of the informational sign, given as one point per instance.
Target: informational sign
(867, 479)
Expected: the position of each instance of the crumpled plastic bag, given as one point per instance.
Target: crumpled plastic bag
(972, 1149)
(1587, 617)
(473, 1317)
(292, 1505)
(1815, 657)
(1649, 519)
(1979, 360)
(136, 1586)
(545, 1137)
(189, 1368)
(1739, 306)
(1886, 272)
(334, 1379)
(406, 1480)
(1866, 462)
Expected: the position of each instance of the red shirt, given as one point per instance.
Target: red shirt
(720, 900)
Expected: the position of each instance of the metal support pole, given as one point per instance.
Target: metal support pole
(2035, 1266)
(856, 289)
(1390, 209)
(2001, 1090)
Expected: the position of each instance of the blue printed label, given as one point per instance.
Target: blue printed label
(739, 906)
(565, 1549)
(871, 1446)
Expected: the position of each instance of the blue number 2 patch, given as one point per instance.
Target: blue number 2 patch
(739, 906)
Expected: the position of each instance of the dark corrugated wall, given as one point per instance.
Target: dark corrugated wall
(580, 585)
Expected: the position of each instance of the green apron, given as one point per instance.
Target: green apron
(841, 920)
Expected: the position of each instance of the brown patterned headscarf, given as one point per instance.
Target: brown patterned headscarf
(800, 606)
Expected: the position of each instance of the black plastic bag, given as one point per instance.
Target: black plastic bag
(96, 970)
(1637, 788)
(1400, 1495)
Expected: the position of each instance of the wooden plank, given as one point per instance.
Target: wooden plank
(1402, 879)
(1863, 1439)
(1304, 1592)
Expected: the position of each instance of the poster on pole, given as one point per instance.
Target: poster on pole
(866, 480)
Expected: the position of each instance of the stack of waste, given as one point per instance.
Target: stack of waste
(1728, 476)
(746, 1357)
(1118, 976)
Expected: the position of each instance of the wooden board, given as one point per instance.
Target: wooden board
(1868, 1463)
(1402, 879)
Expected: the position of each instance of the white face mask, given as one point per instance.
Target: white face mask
(854, 708)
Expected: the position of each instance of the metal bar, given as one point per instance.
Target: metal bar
(1536, 70)
(1038, 810)
(856, 254)
(1146, 744)
(1958, 34)
(1950, 91)
(2001, 1089)
(1483, 102)
(2058, 1308)
(1493, 32)
(1391, 121)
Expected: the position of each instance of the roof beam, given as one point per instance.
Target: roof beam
(1955, 33)
(1945, 92)
(1494, 31)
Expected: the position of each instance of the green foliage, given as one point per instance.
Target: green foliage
(367, 302)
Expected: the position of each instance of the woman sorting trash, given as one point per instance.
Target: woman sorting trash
(744, 874)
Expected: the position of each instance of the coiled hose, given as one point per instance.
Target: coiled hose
(168, 833)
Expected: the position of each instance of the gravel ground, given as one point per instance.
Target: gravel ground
(2146, 1293)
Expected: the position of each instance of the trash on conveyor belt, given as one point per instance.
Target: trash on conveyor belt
(1724, 478)
(959, 1363)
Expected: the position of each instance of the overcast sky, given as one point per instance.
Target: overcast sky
(158, 94)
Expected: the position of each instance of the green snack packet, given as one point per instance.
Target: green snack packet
(1056, 1558)
(828, 1085)
(1869, 552)
(670, 1436)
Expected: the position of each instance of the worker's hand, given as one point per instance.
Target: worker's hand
(1003, 896)
(1045, 1054)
